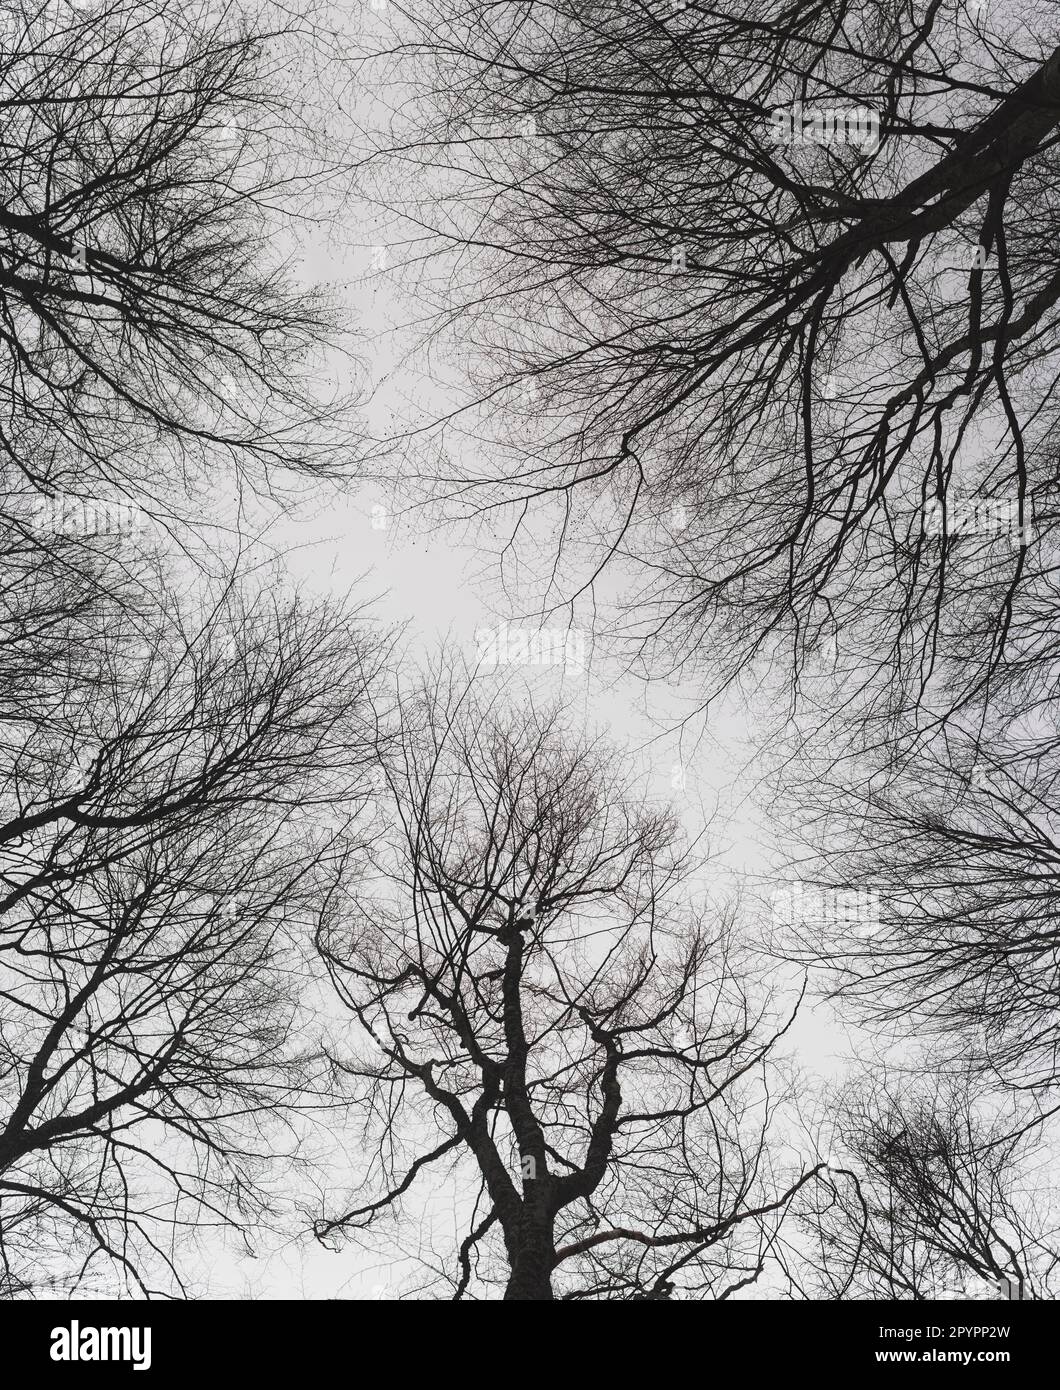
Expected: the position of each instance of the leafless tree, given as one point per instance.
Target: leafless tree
(937, 1201)
(800, 374)
(183, 761)
(155, 161)
(182, 781)
(957, 856)
(545, 1024)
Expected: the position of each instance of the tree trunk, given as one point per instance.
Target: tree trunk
(531, 1276)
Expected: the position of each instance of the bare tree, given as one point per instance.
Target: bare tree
(182, 780)
(938, 1200)
(154, 159)
(956, 852)
(796, 364)
(543, 1016)
(181, 764)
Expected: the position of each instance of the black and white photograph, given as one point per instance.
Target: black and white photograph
(529, 678)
